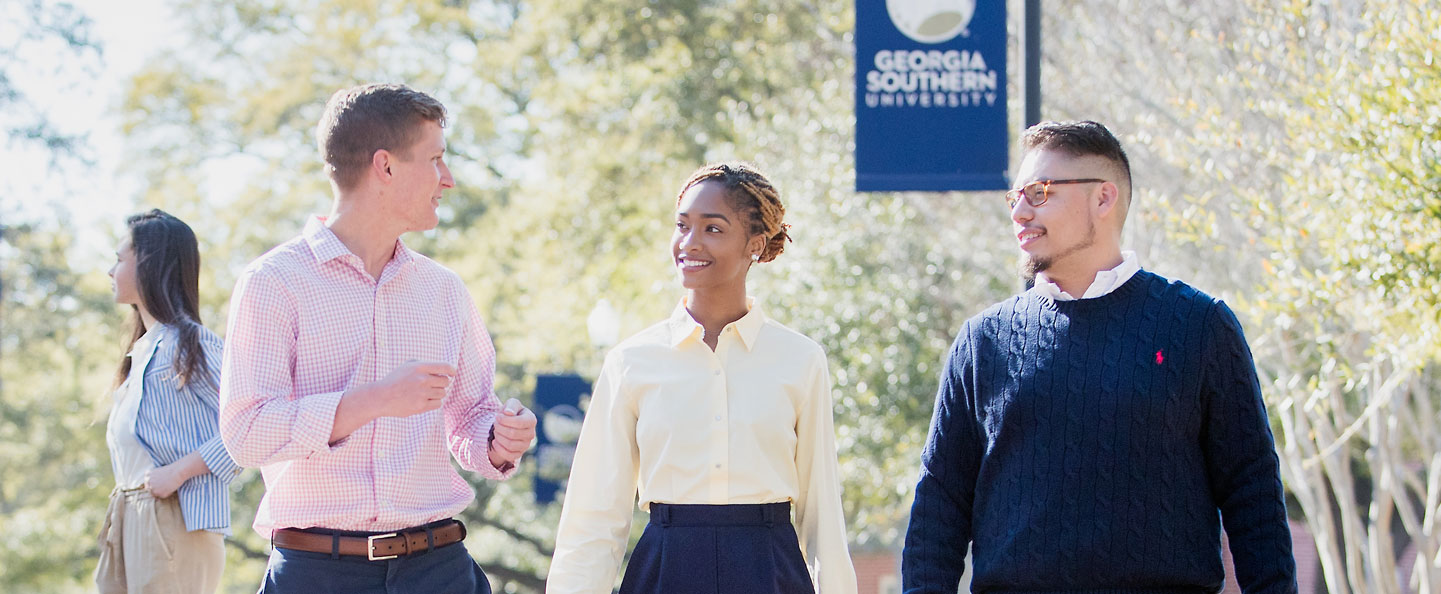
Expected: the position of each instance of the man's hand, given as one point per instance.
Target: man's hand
(511, 434)
(411, 389)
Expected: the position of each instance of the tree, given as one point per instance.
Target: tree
(57, 356)
(54, 352)
(1357, 333)
(1302, 144)
(40, 28)
(573, 126)
(1288, 168)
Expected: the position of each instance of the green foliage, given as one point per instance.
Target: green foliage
(1350, 229)
(1350, 141)
(54, 469)
(32, 28)
(1292, 168)
(572, 127)
(1299, 159)
(52, 451)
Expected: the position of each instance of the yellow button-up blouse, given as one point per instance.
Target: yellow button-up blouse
(677, 423)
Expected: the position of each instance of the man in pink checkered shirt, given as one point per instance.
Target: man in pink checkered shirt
(355, 369)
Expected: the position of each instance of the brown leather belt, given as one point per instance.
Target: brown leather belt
(378, 547)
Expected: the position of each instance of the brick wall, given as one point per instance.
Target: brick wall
(1303, 546)
(877, 573)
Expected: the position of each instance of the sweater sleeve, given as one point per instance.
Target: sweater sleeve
(940, 527)
(1241, 463)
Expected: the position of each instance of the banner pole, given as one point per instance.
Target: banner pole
(1032, 57)
(1031, 52)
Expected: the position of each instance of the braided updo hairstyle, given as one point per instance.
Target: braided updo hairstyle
(750, 193)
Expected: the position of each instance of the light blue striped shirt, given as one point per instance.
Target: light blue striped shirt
(173, 422)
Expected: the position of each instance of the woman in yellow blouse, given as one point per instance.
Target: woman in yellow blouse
(719, 418)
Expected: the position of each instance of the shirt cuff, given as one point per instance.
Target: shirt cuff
(505, 470)
(218, 461)
(315, 421)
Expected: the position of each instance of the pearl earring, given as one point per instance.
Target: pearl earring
(755, 257)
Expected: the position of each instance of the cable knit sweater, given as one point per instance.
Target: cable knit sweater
(1096, 446)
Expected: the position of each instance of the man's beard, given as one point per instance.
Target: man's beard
(1031, 264)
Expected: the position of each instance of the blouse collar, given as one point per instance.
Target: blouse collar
(684, 327)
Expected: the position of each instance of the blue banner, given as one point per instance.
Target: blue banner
(931, 95)
(558, 416)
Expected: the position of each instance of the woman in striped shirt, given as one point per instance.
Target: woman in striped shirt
(170, 510)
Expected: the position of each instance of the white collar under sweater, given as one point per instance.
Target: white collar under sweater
(1106, 280)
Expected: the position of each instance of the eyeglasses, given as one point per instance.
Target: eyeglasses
(1037, 192)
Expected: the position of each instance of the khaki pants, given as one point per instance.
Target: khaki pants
(144, 547)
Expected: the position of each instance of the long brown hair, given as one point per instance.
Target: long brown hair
(167, 275)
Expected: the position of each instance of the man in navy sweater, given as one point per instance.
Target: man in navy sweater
(1094, 433)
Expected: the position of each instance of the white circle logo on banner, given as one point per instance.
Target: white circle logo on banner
(931, 21)
(562, 424)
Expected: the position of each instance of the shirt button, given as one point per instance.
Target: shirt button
(717, 417)
(717, 372)
(717, 466)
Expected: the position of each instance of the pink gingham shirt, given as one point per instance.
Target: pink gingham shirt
(306, 324)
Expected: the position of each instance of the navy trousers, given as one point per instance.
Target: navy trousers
(718, 549)
(445, 570)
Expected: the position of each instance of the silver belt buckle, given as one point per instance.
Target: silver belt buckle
(370, 546)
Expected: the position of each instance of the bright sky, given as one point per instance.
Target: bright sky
(87, 101)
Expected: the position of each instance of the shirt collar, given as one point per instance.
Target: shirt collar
(326, 246)
(147, 342)
(684, 327)
(1106, 280)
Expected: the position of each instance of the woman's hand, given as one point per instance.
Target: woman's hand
(166, 480)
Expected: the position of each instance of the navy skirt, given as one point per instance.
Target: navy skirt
(718, 549)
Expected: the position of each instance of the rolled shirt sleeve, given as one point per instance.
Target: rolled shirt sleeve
(262, 418)
(471, 408)
(213, 452)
